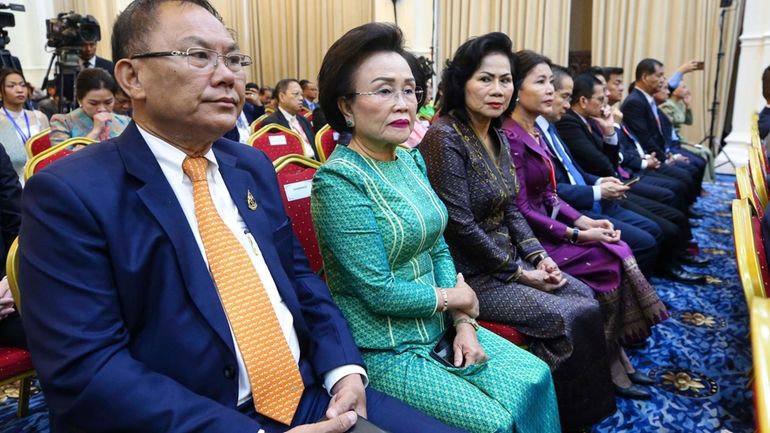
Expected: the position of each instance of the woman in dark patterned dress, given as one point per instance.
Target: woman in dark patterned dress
(470, 168)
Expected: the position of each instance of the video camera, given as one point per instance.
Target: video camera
(8, 20)
(69, 29)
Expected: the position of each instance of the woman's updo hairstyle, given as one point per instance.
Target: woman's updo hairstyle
(335, 79)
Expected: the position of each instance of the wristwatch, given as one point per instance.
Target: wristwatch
(469, 321)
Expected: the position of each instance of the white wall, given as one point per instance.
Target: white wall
(754, 58)
(28, 38)
(415, 18)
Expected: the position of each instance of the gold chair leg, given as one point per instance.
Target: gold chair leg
(24, 387)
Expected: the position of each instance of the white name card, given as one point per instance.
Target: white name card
(298, 190)
(277, 140)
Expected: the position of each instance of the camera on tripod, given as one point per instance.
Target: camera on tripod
(8, 20)
(68, 32)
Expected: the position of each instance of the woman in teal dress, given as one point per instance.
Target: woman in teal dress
(379, 226)
(95, 91)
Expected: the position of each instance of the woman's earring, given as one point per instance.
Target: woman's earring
(349, 123)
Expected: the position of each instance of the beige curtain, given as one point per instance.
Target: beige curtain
(286, 38)
(539, 25)
(672, 31)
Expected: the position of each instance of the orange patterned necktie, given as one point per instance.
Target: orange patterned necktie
(276, 384)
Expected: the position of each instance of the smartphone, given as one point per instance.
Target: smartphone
(363, 425)
(444, 352)
(700, 64)
(630, 182)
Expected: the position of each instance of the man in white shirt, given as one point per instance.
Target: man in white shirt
(289, 95)
(131, 315)
(89, 59)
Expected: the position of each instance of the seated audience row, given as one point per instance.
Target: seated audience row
(505, 193)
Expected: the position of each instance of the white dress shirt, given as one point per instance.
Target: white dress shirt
(170, 159)
(543, 123)
(307, 148)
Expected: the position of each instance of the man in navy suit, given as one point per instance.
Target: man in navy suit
(597, 146)
(641, 117)
(289, 95)
(89, 58)
(595, 196)
(125, 323)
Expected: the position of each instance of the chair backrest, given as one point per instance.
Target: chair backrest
(276, 141)
(257, 123)
(756, 143)
(760, 345)
(12, 271)
(38, 142)
(745, 189)
(758, 175)
(325, 141)
(745, 251)
(295, 178)
(761, 252)
(45, 158)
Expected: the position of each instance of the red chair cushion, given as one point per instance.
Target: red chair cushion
(40, 144)
(507, 332)
(295, 182)
(272, 143)
(759, 245)
(52, 158)
(13, 361)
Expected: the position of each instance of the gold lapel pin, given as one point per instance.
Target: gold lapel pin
(250, 200)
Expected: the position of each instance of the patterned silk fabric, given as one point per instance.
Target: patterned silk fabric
(276, 383)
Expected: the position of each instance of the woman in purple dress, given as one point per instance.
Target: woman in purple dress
(587, 249)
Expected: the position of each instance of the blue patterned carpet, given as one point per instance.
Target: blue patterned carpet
(700, 356)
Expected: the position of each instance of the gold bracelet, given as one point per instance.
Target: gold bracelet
(446, 299)
(469, 321)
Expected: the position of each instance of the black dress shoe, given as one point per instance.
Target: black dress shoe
(694, 224)
(640, 378)
(691, 213)
(633, 392)
(690, 260)
(636, 345)
(676, 273)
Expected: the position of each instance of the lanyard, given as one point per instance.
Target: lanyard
(24, 138)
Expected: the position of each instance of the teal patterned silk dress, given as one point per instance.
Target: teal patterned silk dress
(379, 226)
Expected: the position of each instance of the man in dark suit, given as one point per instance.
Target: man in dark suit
(594, 196)
(764, 115)
(89, 59)
(289, 95)
(309, 94)
(175, 297)
(641, 116)
(252, 109)
(595, 144)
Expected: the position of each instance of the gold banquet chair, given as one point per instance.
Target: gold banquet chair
(760, 344)
(749, 270)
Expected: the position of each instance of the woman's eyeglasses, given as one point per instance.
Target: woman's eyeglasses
(410, 95)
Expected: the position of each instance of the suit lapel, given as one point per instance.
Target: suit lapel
(159, 198)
